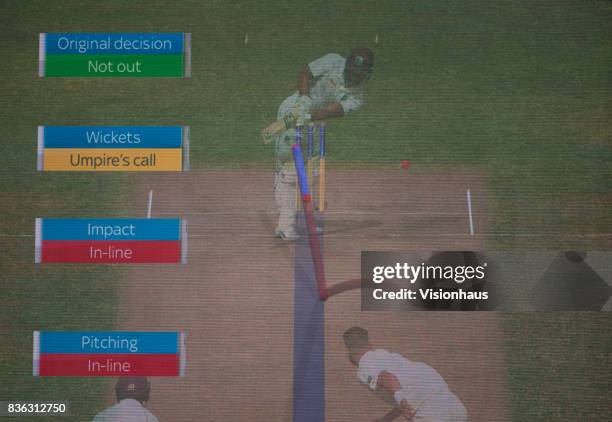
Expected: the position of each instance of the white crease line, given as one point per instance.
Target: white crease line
(184, 241)
(385, 235)
(469, 204)
(426, 213)
(150, 203)
(393, 235)
(127, 212)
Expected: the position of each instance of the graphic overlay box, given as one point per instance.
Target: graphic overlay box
(108, 354)
(447, 280)
(110, 240)
(514, 281)
(114, 55)
(113, 148)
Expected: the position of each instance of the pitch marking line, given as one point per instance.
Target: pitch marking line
(469, 204)
(150, 203)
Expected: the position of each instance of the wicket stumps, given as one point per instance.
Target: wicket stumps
(298, 141)
(310, 145)
(322, 167)
(310, 162)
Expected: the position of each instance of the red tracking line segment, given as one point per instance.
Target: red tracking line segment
(315, 247)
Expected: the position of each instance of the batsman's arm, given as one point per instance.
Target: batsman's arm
(304, 79)
(389, 382)
(329, 111)
(391, 416)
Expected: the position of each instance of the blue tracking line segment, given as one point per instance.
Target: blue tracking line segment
(308, 335)
(298, 158)
(322, 140)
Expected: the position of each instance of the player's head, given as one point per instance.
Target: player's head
(359, 66)
(357, 342)
(137, 388)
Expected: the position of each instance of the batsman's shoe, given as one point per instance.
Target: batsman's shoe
(287, 234)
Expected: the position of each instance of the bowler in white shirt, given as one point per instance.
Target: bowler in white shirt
(415, 390)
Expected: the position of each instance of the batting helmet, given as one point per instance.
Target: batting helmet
(137, 388)
(359, 64)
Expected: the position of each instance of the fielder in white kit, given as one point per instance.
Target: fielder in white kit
(328, 87)
(132, 396)
(416, 391)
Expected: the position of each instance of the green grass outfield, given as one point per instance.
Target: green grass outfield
(559, 365)
(518, 90)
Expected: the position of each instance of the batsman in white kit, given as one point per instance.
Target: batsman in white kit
(330, 86)
(416, 391)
